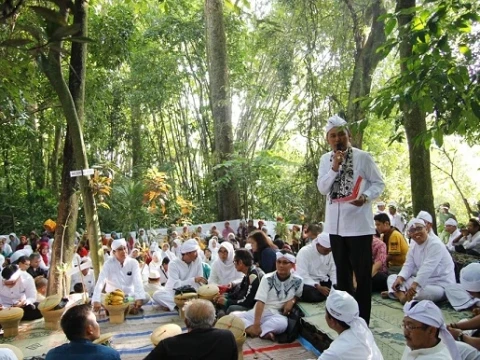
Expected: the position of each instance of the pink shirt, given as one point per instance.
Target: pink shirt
(379, 253)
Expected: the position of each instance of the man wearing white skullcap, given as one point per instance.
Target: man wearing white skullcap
(315, 265)
(396, 219)
(83, 274)
(428, 269)
(351, 180)
(276, 295)
(451, 227)
(425, 332)
(186, 270)
(355, 340)
(428, 219)
(466, 294)
(380, 208)
(120, 272)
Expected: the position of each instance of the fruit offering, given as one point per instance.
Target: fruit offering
(116, 297)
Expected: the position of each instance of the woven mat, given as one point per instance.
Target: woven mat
(132, 338)
(385, 321)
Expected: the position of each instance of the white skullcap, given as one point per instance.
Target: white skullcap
(342, 306)
(27, 249)
(189, 246)
(154, 274)
(414, 222)
(425, 216)
(334, 121)
(323, 239)
(289, 257)
(17, 255)
(119, 242)
(392, 204)
(470, 277)
(87, 264)
(428, 313)
(380, 203)
(451, 222)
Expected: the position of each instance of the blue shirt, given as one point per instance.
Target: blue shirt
(82, 349)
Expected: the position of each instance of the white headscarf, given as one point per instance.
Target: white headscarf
(176, 250)
(226, 269)
(287, 256)
(428, 313)
(212, 248)
(158, 255)
(167, 253)
(342, 306)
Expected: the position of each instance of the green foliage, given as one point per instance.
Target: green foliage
(442, 70)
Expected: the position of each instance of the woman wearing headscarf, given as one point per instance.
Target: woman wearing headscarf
(156, 262)
(177, 243)
(135, 254)
(166, 252)
(5, 249)
(23, 242)
(44, 251)
(223, 269)
(213, 246)
(13, 241)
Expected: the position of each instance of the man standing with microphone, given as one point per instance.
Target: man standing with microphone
(351, 180)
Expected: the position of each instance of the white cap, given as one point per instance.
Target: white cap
(380, 203)
(470, 277)
(451, 222)
(118, 243)
(334, 121)
(415, 221)
(189, 246)
(154, 274)
(287, 256)
(323, 239)
(428, 313)
(392, 204)
(425, 216)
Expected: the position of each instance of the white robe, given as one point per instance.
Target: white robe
(115, 276)
(347, 346)
(438, 352)
(314, 267)
(345, 219)
(179, 274)
(431, 266)
(89, 281)
(24, 289)
(452, 237)
(274, 294)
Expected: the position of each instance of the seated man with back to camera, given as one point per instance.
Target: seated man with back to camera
(81, 328)
(202, 341)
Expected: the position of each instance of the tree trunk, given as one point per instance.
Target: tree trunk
(72, 103)
(227, 194)
(415, 125)
(366, 61)
(137, 151)
(64, 244)
(54, 161)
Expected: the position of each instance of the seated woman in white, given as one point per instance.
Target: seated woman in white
(223, 269)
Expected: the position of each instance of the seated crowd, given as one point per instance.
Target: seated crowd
(262, 280)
